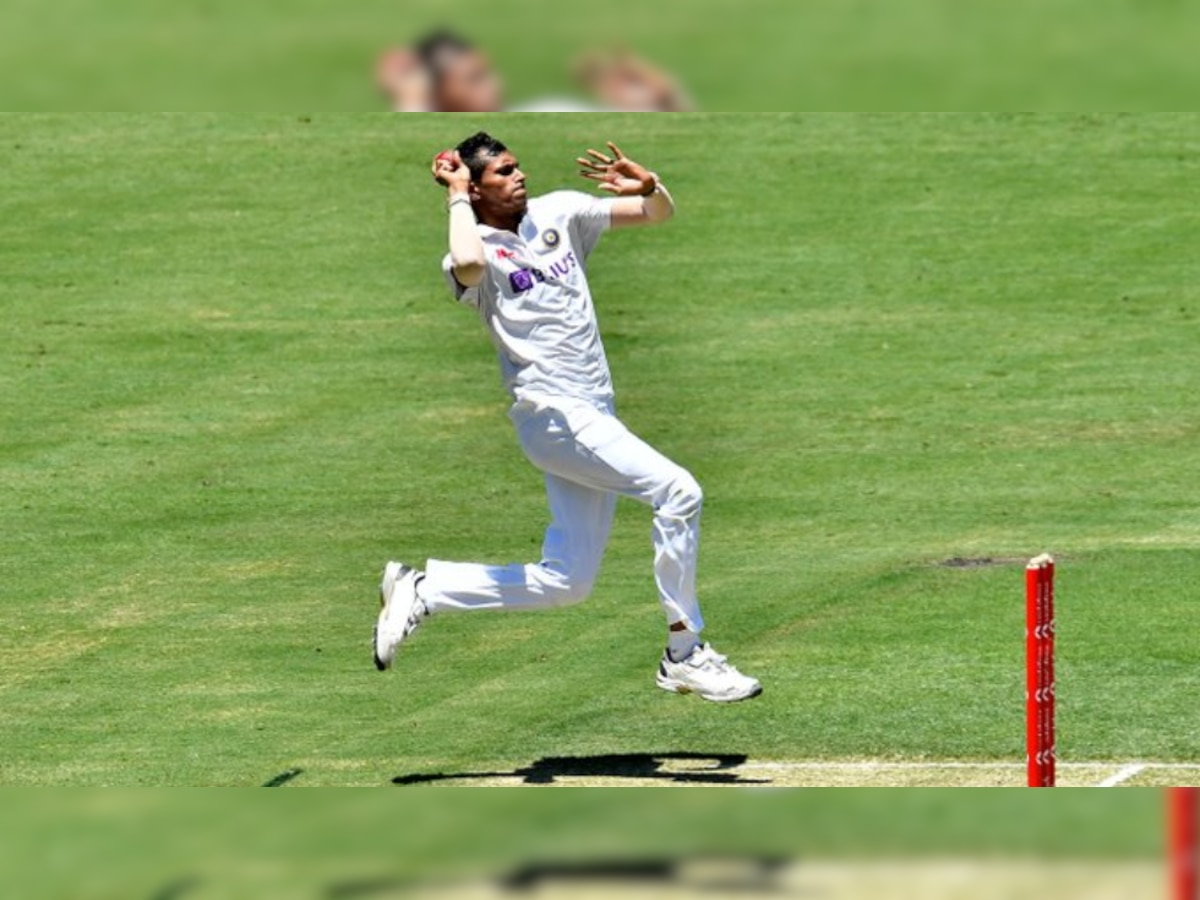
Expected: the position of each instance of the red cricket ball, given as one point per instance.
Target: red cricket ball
(445, 156)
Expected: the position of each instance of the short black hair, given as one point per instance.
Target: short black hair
(477, 150)
(437, 48)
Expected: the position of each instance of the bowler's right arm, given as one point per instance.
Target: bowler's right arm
(467, 258)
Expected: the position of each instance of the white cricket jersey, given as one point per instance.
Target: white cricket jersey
(535, 301)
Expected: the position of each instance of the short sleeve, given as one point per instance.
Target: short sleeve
(462, 293)
(590, 217)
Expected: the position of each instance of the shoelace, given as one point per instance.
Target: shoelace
(419, 610)
(414, 619)
(707, 654)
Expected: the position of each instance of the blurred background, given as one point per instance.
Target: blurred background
(756, 55)
(860, 843)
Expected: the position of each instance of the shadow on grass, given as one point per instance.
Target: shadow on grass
(178, 888)
(283, 778)
(717, 876)
(648, 767)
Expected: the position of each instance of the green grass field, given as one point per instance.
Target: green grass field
(235, 386)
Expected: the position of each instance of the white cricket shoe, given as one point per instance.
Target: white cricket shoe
(401, 613)
(707, 673)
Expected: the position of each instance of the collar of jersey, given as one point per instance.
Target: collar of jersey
(488, 231)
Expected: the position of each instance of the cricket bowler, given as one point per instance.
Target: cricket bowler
(520, 263)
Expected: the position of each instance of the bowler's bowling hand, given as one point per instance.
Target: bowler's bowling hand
(616, 173)
(450, 172)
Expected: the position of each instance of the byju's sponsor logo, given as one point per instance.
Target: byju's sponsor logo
(523, 280)
(561, 268)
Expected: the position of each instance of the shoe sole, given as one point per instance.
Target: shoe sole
(391, 574)
(379, 663)
(677, 687)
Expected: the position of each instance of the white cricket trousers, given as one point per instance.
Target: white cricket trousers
(589, 458)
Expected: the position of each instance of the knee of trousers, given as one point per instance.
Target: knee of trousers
(684, 498)
(563, 588)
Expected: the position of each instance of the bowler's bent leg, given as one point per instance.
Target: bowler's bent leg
(594, 448)
(581, 518)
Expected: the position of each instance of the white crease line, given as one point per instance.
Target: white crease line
(867, 765)
(1130, 771)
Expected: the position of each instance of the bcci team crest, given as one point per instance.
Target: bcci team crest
(551, 238)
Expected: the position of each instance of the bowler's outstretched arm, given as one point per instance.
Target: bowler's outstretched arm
(643, 198)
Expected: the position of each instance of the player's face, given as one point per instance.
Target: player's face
(469, 84)
(502, 186)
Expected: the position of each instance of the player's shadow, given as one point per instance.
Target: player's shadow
(716, 876)
(722, 768)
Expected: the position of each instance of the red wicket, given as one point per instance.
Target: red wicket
(1181, 841)
(1039, 656)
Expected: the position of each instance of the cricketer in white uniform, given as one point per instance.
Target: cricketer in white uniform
(520, 263)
